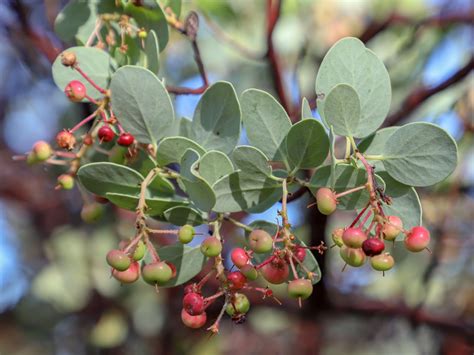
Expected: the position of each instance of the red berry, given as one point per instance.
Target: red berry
(373, 246)
(189, 288)
(125, 140)
(300, 253)
(106, 134)
(65, 140)
(128, 276)
(276, 271)
(417, 239)
(75, 91)
(354, 237)
(236, 280)
(193, 303)
(194, 322)
(326, 201)
(239, 257)
(392, 228)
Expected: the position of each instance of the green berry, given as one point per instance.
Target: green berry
(240, 305)
(382, 262)
(260, 241)
(326, 201)
(92, 212)
(42, 150)
(300, 288)
(337, 236)
(157, 273)
(118, 260)
(211, 247)
(142, 34)
(249, 271)
(352, 256)
(139, 252)
(65, 182)
(186, 234)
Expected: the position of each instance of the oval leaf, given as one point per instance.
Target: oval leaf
(342, 110)
(152, 52)
(141, 103)
(101, 178)
(171, 149)
(420, 154)
(216, 122)
(375, 144)
(214, 165)
(182, 215)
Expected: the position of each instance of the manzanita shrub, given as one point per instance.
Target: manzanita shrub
(140, 157)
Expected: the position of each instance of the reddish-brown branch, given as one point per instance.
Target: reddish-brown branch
(178, 90)
(273, 14)
(421, 94)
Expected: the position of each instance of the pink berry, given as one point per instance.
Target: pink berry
(42, 150)
(105, 134)
(193, 303)
(373, 246)
(239, 257)
(128, 276)
(236, 280)
(354, 237)
(125, 140)
(65, 140)
(75, 91)
(300, 253)
(300, 288)
(392, 228)
(417, 239)
(194, 322)
(276, 271)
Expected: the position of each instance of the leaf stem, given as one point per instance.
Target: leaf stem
(238, 224)
(375, 157)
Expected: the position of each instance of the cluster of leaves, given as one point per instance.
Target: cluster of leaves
(203, 172)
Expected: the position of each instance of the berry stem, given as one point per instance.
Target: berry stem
(268, 261)
(61, 154)
(355, 189)
(209, 300)
(359, 216)
(162, 231)
(203, 281)
(214, 328)
(151, 248)
(83, 122)
(85, 76)
(133, 243)
(293, 269)
(366, 218)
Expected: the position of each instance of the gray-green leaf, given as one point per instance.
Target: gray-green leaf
(171, 149)
(214, 165)
(182, 215)
(342, 110)
(156, 206)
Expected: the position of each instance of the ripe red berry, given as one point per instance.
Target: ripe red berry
(300, 288)
(239, 257)
(417, 239)
(236, 280)
(125, 140)
(65, 140)
(260, 241)
(190, 288)
(128, 276)
(193, 303)
(105, 134)
(194, 322)
(118, 260)
(373, 246)
(326, 201)
(276, 271)
(382, 262)
(392, 228)
(352, 256)
(300, 253)
(354, 237)
(75, 91)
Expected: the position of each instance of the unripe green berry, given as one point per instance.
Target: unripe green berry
(65, 182)
(186, 234)
(260, 241)
(382, 262)
(42, 150)
(354, 237)
(249, 271)
(240, 305)
(337, 236)
(92, 212)
(31, 158)
(139, 252)
(157, 273)
(326, 201)
(118, 260)
(300, 288)
(392, 228)
(211, 247)
(352, 256)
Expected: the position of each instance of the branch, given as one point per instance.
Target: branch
(273, 14)
(421, 94)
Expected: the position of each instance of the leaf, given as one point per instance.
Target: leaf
(185, 127)
(405, 202)
(332, 144)
(159, 185)
(152, 51)
(171, 149)
(199, 191)
(156, 206)
(188, 261)
(266, 123)
(342, 110)
(305, 109)
(375, 144)
(420, 154)
(141, 103)
(150, 18)
(101, 178)
(346, 177)
(76, 21)
(309, 262)
(216, 122)
(214, 165)
(251, 160)
(349, 62)
(96, 63)
(182, 215)
(307, 145)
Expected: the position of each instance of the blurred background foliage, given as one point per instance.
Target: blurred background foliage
(56, 296)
